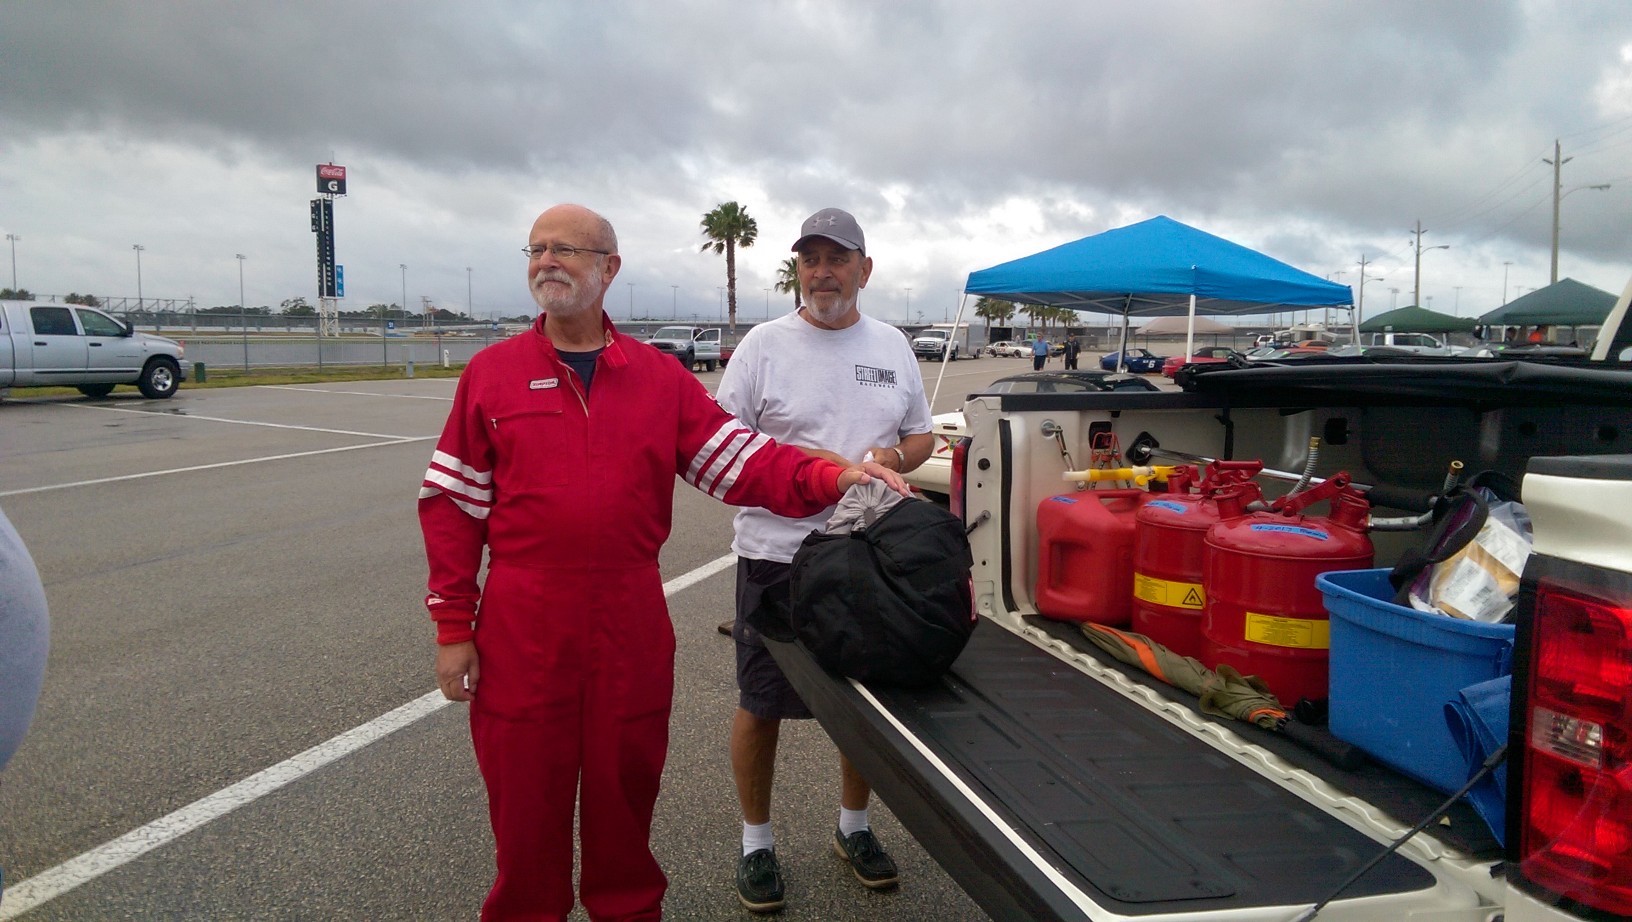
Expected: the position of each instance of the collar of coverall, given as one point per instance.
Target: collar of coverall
(609, 341)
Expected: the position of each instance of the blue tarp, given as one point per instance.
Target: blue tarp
(1151, 269)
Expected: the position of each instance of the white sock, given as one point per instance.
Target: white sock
(852, 821)
(755, 838)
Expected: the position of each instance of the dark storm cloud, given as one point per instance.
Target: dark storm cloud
(1326, 127)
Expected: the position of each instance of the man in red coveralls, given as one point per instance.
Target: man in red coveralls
(559, 458)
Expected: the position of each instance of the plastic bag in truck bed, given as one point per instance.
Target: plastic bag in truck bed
(1470, 564)
(883, 596)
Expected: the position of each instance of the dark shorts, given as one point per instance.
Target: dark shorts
(763, 690)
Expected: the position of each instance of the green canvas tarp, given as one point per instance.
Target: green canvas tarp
(1413, 319)
(1566, 302)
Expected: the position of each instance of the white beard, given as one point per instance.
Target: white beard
(553, 300)
(835, 311)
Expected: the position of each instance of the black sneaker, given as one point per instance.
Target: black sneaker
(759, 881)
(871, 864)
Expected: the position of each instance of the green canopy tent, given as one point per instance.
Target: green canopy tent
(1415, 319)
(1566, 303)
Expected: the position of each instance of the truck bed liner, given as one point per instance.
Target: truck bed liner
(1046, 793)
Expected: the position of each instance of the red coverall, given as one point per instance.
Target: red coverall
(576, 651)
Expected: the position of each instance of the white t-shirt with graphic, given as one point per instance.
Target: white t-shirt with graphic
(842, 390)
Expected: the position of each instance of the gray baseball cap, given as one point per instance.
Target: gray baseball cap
(836, 225)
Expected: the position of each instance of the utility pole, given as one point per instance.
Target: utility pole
(1505, 264)
(13, 238)
(674, 302)
(1557, 164)
(470, 303)
(1360, 301)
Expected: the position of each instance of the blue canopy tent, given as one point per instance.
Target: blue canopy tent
(1158, 267)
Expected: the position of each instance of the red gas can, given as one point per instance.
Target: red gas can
(1085, 555)
(1263, 614)
(1168, 548)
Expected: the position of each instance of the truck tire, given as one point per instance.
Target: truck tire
(708, 364)
(689, 360)
(95, 390)
(159, 379)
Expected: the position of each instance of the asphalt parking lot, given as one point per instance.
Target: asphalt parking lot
(239, 719)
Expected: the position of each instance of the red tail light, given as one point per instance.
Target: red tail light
(960, 458)
(1576, 838)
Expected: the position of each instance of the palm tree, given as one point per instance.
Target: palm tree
(728, 227)
(787, 280)
(994, 312)
(1035, 313)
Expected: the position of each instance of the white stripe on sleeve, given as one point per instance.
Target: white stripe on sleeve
(453, 484)
(471, 509)
(723, 485)
(727, 429)
(464, 470)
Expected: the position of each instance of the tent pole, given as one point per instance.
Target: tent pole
(1190, 329)
(947, 352)
(1122, 350)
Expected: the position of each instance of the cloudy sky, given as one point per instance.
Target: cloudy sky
(961, 134)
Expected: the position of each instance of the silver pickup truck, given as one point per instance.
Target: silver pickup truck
(693, 346)
(1053, 781)
(68, 345)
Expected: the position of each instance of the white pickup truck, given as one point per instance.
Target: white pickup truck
(68, 345)
(1419, 343)
(1054, 782)
(691, 345)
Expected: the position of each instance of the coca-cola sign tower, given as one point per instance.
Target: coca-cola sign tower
(331, 179)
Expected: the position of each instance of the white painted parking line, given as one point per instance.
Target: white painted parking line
(86, 867)
(205, 467)
(325, 390)
(236, 422)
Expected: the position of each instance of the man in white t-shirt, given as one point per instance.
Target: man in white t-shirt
(840, 385)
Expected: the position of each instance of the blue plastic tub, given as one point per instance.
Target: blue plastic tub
(1394, 668)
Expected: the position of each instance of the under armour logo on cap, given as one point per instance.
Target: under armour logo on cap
(836, 225)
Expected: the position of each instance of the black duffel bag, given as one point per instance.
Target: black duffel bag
(889, 603)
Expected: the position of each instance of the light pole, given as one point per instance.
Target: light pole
(470, 303)
(1504, 279)
(243, 319)
(385, 355)
(1416, 281)
(674, 302)
(631, 300)
(1393, 298)
(13, 238)
(909, 302)
(767, 304)
(138, 248)
(722, 302)
(1558, 198)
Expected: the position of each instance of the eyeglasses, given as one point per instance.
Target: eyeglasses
(561, 251)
